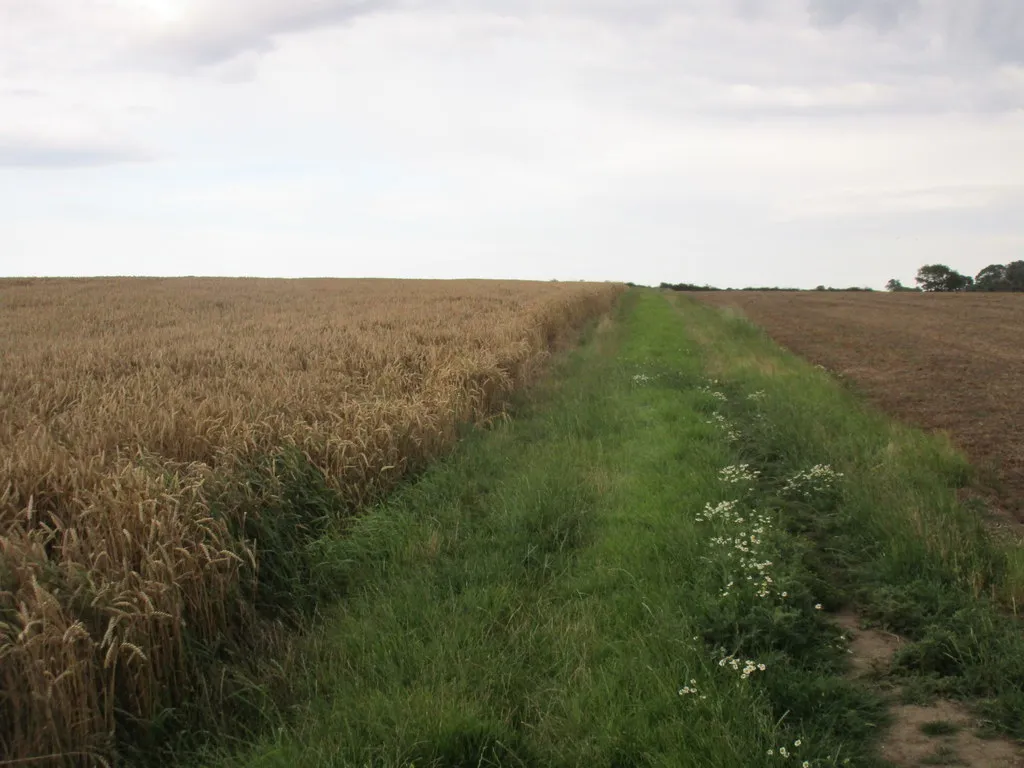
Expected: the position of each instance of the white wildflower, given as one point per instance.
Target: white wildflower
(738, 473)
(817, 480)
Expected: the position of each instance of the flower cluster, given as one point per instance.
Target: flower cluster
(691, 690)
(740, 541)
(785, 753)
(743, 543)
(745, 668)
(717, 418)
(723, 510)
(725, 425)
(749, 666)
(738, 473)
(642, 378)
(816, 481)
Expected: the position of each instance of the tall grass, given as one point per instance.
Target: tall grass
(640, 570)
(902, 548)
(548, 596)
(169, 448)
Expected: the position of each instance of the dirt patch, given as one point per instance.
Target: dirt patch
(941, 733)
(871, 650)
(948, 362)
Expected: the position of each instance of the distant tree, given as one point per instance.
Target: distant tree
(939, 277)
(687, 287)
(1015, 275)
(958, 282)
(896, 286)
(992, 278)
(820, 288)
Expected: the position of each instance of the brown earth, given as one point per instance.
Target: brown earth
(942, 732)
(950, 362)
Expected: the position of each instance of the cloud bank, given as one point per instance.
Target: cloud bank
(726, 141)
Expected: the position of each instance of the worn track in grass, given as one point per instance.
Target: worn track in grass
(952, 362)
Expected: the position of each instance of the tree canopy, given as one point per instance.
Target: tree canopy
(939, 277)
(896, 286)
(1001, 277)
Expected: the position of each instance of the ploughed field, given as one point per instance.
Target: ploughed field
(951, 362)
(168, 445)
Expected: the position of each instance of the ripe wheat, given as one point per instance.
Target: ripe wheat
(129, 406)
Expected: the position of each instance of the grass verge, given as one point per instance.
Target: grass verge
(897, 545)
(637, 571)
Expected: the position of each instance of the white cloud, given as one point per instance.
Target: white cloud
(731, 142)
(203, 33)
(49, 152)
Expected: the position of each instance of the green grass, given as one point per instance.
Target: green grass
(900, 547)
(550, 596)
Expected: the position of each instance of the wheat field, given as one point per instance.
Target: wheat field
(135, 412)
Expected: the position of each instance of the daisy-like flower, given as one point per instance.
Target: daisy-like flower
(738, 473)
(819, 479)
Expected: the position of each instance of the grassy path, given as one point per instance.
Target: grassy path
(637, 571)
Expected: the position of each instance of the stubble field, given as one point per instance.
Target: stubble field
(951, 362)
(169, 448)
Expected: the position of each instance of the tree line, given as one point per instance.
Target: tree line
(695, 287)
(939, 277)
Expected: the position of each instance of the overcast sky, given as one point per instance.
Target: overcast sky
(735, 142)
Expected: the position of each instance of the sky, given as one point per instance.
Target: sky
(730, 142)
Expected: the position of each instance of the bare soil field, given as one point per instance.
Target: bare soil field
(952, 362)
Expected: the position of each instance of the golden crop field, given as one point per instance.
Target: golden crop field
(134, 415)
